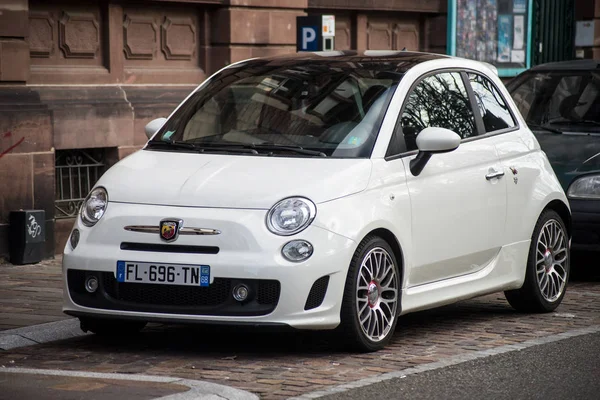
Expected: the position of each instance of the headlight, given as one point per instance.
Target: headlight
(586, 187)
(291, 216)
(94, 206)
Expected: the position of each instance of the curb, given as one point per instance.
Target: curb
(198, 389)
(42, 333)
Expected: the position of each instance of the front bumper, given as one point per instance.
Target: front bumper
(247, 252)
(586, 224)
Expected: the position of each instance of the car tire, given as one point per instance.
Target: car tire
(371, 296)
(111, 327)
(548, 267)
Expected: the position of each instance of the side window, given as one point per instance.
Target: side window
(439, 100)
(492, 106)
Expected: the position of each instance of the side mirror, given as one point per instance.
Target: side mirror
(153, 126)
(430, 141)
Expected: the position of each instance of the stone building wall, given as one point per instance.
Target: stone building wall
(79, 79)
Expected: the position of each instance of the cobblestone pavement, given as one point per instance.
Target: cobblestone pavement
(281, 365)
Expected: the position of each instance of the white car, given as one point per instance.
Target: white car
(320, 191)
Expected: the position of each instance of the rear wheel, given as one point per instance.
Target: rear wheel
(548, 267)
(370, 304)
(111, 327)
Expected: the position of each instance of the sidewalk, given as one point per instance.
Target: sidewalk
(31, 305)
(31, 294)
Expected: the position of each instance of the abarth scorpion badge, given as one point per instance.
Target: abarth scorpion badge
(169, 229)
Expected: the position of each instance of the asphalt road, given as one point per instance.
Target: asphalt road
(567, 369)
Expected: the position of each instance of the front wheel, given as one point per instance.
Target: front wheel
(548, 267)
(371, 295)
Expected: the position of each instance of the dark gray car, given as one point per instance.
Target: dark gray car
(561, 104)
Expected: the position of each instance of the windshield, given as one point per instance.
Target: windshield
(567, 100)
(306, 108)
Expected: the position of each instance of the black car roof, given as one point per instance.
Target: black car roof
(572, 65)
(396, 61)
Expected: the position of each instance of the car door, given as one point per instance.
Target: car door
(513, 153)
(458, 201)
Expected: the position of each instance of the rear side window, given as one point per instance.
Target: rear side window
(491, 105)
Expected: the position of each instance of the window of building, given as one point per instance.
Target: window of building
(76, 171)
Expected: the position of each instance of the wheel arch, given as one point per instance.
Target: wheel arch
(392, 240)
(563, 210)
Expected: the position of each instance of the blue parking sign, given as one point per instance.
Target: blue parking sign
(308, 33)
(308, 40)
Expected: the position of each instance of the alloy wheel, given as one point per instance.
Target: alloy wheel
(377, 294)
(551, 260)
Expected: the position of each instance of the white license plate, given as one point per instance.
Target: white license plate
(169, 274)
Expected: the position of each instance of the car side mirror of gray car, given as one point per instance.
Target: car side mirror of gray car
(430, 141)
(154, 126)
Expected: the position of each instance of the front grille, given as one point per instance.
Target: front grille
(317, 293)
(268, 292)
(168, 295)
(169, 248)
(215, 299)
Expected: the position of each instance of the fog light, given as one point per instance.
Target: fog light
(297, 250)
(74, 239)
(91, 284)
(240, 292)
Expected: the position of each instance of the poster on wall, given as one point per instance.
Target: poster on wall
(494, 31)
(504, 38)
(519, 6)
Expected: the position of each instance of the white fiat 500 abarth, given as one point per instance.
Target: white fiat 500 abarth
(333, 190)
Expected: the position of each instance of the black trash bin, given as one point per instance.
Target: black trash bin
(27, 236)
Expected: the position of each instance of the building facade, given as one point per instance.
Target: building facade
(79, 79)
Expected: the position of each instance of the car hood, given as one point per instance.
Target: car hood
(231, 181)
(571, 154)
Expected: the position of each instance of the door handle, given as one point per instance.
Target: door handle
(492, 173)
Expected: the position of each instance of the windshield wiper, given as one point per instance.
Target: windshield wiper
(295, 149)
(200, 148)
(264, 146)
(250, 148)
(179, 145)
(546, 128)
(577, 121)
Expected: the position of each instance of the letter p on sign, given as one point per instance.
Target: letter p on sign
(309, 35)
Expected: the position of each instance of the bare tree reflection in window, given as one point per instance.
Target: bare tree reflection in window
(439, 100)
